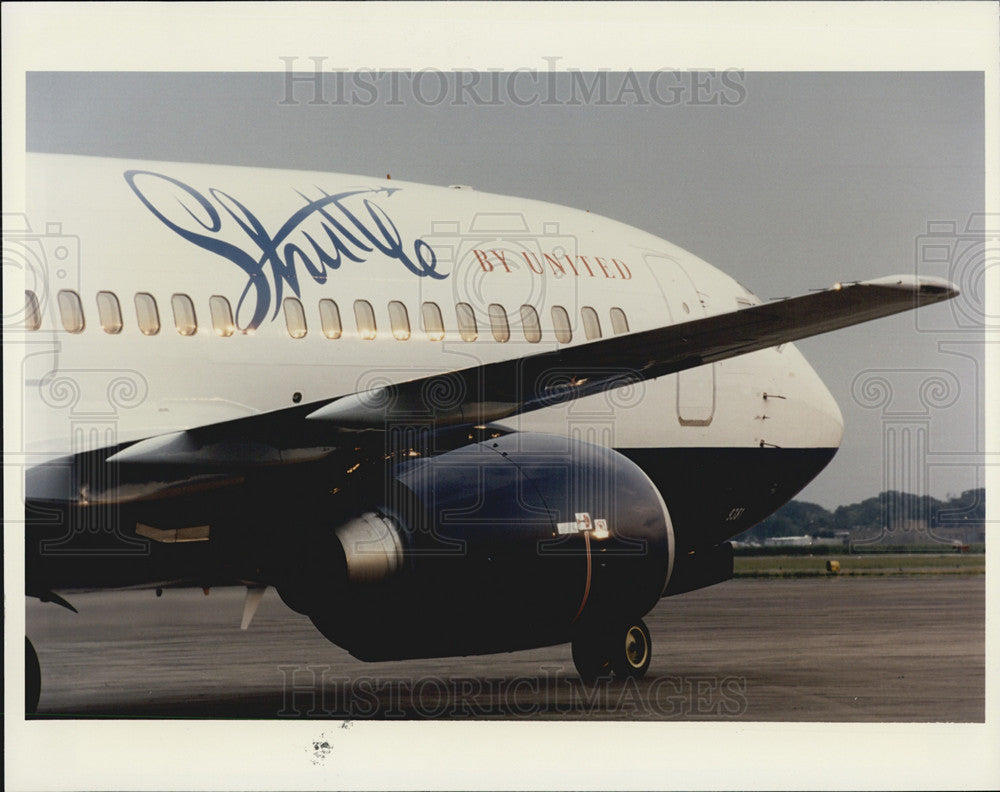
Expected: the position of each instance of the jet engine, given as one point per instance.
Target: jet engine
(517, 541)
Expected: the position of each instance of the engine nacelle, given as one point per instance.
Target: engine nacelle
(518, 541)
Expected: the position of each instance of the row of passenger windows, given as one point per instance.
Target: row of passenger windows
(109, 313)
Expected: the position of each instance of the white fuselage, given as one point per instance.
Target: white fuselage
(213, 231)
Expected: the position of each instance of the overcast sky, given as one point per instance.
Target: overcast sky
(786, 181)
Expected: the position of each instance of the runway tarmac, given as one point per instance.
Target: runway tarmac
(859, 649)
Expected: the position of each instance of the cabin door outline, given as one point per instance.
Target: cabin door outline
(696, 386)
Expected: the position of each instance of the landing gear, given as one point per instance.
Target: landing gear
(32, 678)
(632, 660)
(592, 658)
(625, 650)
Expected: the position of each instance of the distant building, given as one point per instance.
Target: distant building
(919, 532)
(789, 541)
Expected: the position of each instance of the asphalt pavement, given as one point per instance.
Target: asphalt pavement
(858, 649)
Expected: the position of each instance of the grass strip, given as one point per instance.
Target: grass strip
(851, 565)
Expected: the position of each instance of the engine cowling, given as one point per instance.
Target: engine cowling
(518, 541)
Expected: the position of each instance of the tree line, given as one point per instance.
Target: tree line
(889, 509)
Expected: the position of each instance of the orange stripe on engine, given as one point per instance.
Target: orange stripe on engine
(586, 589)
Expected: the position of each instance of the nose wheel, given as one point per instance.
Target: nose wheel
(625, 651)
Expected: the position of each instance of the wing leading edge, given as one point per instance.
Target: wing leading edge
(499, 390)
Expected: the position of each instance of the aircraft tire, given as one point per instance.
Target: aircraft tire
(633, 651)
(32, 678)
(592, 657)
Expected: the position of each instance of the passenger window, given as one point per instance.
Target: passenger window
(433, 321)
(560, 321)
(591, 324)
(146, 314)
(295, 317)
(498, 323)
(619, 322)
(364, 315)
(466, 322)
(222, 316)
(184, 317)
(71, 311)
(329, 317)
(109, 312)
(399, 321)
(32, 313)
(530, 325)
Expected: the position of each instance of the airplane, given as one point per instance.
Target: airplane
(440, 422)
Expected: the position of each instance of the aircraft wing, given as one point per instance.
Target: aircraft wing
(498, 390)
